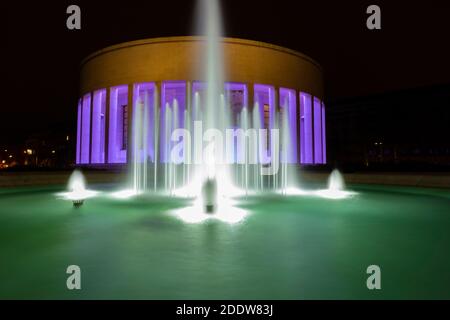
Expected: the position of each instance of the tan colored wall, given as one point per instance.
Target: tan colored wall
(180, 58)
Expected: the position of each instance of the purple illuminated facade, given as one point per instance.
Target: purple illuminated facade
(306, 129)
(85, 133)
(118, 125)
(98, 127)
(105, 125)
(171, 91)
(288, 103)
(144, 94)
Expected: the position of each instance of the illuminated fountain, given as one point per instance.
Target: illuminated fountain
(76, 189)
(336, 187)
(199, 147)
(336, 181)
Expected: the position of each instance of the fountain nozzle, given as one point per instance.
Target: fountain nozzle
(209, 193)
(78, 203)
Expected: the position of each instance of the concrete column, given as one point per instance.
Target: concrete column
(188, 109)
(158, 106)
(324, 135)
(297, 132)
(130, 124)
(188, 97)
(80, 134)
(91, 109)
(276, 105)
(107, 112)
(275, 123)
(313, 131)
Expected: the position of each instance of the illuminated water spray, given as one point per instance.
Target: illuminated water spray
(77, 183)
(141, 118)
(336, 187)
(215, 110)
(336, 181)
(76, 189)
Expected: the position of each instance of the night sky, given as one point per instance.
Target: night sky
(42, 56)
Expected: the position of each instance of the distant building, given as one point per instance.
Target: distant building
(48, 149)
(407, 129)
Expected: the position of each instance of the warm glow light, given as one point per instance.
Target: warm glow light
(29, 151)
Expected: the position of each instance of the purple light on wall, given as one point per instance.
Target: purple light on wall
(200, 89)
(198, 86)
(78, 152)
(118, 113)
(145, 93)
(98, 127)
(171, 90)
(288, 99)
(264, 95)
(306, 130)
(302, 127)
(85, 128)
(237, 86)
(317, 131)
(324, 137)
(236, 97)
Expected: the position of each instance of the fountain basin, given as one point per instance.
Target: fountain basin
(303, 247)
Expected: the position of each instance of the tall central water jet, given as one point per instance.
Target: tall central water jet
(213, 73)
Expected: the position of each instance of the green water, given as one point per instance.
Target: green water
(287, 247)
